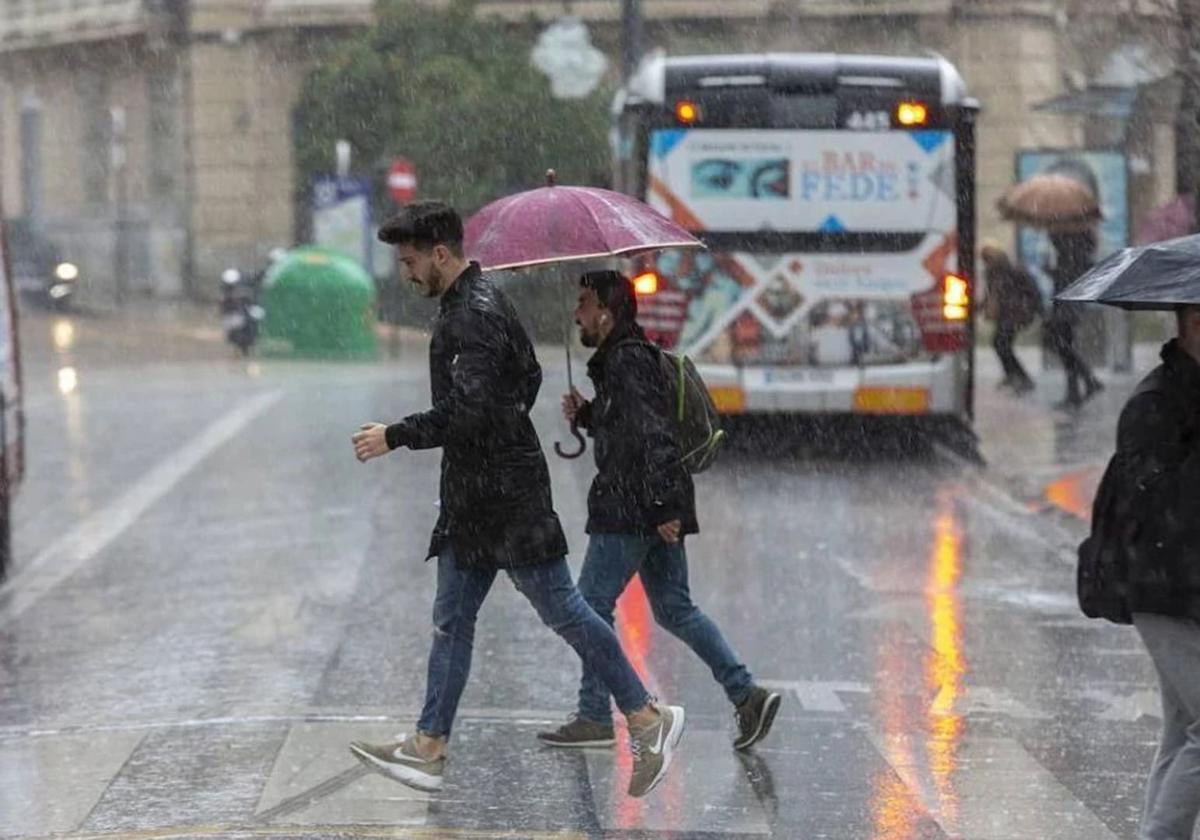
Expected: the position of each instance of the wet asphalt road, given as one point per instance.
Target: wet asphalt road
(212, 597)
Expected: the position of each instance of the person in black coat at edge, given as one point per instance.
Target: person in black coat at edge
(496, 509)
(640, 507)
(1075, 252)
(1158, 456)
(1013, 302)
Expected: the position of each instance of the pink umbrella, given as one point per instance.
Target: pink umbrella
(1172, 220)
(554, 224)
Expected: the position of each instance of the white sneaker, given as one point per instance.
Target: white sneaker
(653, 748)
(399, 760)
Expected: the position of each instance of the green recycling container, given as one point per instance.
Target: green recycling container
(320, 304)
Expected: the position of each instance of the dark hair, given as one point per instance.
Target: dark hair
(615, 292)
(424, 224)
(1182, 312)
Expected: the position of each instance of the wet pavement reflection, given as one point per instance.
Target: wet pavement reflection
(212, 598)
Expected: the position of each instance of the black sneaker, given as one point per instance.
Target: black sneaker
(755, 716)
(1022, 387)
(579, 732)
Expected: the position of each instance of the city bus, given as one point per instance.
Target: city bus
(836, 197)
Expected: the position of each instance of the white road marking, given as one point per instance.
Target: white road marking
(988, 789)
(815, 696)
(76, 547)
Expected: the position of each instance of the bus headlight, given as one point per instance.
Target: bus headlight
(956, 298)
(912, 114)
(687, 112)
(66, 271)
(646, 283)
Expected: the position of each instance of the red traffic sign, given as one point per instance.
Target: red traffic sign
(402, 180)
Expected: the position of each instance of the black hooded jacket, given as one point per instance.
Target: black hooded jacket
(1158, 450)
(496, 506)
(640, 482)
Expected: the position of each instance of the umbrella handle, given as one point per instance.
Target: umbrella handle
(562, 453)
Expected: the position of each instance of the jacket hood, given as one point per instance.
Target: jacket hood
(1183, 370)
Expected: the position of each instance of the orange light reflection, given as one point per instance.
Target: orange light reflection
(945, 666)
(633, 620)
(921, 740)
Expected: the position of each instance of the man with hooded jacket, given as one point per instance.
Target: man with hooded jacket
(1156, 521)
(496, 511)
(640, 507)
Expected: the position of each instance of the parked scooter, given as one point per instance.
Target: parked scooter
(240, 313)
(40, 273)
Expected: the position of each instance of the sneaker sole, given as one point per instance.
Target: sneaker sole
(674, 735)
(770, 708)
(402, 773)
(581, 745)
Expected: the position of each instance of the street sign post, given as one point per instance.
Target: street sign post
(402, 180)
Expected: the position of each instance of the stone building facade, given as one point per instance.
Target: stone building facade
(207, 87)
(158, 127)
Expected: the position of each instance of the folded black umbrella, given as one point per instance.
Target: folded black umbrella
(1162, 275)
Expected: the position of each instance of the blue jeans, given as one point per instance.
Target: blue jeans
(611, 562)
(461, 592)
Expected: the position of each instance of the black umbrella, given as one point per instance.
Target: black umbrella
(1161, 275)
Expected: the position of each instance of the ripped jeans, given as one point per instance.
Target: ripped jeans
(548, 587)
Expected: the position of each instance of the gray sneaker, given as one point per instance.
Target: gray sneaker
(579, 732)
(399, 760)
(754, 717)
(653, 748)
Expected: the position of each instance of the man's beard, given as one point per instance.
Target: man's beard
(588, 339)
(434, 284)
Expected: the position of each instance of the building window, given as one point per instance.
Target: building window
(163, 97)
(31, 157)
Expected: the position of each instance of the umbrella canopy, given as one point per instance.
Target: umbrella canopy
(1052, 201)
(555, 224)
(1158, 276)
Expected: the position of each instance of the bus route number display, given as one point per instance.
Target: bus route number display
(868, 121)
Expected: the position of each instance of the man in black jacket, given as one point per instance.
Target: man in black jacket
(496, 509)
(1013, 301)
(640, 507)
(1158, 455)
(1074, 254)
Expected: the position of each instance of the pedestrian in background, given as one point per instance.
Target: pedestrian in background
(1075, 253)
(641, 506)
(1012, 300)
(496, 511)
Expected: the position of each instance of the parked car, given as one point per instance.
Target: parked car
(39, 272)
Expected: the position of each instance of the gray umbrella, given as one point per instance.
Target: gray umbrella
(1161, 275)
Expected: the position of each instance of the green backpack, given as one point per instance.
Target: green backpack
(697, 422)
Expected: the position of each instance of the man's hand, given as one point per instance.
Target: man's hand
(669, 531)
(571, 404)
(370, 441)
